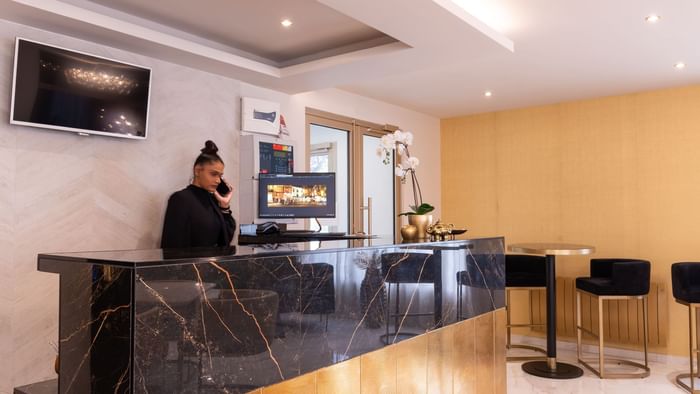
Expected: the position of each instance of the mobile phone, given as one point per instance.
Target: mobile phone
(223, 188)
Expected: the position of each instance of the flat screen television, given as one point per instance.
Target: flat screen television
(56, 88)
(297, 195)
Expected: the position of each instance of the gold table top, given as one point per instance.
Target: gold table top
(551, 248)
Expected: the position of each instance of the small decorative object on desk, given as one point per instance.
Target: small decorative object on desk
(409, 232)
(441, 231)
(400, 141)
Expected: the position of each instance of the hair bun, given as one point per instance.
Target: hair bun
(210, 148)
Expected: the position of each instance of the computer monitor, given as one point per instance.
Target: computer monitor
(297, 195)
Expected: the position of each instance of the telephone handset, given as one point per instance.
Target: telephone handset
(223, 188)
(268, 228)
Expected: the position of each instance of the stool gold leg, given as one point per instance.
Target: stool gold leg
(601, 356)
(600, 371)
(694, 348)
(508, 319)
(645, 322)
(578, 325)
(691, 342)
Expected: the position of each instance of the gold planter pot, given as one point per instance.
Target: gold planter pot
(421, 222)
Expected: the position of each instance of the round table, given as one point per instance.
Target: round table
(551, 368)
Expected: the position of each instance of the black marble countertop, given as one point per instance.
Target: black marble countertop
(164, 257)
(235, 319)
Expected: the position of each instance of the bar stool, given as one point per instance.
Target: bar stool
(685, 279)
(317, 290)
(613, 279)
(398, 268)
(524, 272)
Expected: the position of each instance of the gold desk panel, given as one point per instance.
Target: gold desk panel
(465, 357)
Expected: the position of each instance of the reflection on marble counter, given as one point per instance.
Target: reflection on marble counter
(233, 323)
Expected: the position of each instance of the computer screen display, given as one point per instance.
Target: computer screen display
(297, 195)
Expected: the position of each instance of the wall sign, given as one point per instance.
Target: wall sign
(260, 116)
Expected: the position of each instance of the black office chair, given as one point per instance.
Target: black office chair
(685, 278)
(524, 272)
(398, 268)
(613, 279)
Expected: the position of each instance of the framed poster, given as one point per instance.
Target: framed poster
(260, 116)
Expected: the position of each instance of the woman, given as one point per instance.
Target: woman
(199, 215)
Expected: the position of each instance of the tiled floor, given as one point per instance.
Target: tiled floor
(661, 380)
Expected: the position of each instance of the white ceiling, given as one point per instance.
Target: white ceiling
(427, 55)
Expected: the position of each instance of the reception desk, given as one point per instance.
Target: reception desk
(308, 317)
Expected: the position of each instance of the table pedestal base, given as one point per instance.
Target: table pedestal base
(562, 370)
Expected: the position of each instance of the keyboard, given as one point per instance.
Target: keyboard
(311, 232)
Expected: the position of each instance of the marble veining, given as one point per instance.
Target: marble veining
(232, 323)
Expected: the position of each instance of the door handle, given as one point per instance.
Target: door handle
(367, 208)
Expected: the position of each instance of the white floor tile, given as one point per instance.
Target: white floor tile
(661, 380)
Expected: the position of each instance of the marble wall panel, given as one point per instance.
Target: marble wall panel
(7, 219)
(7, 271)
(63, 192)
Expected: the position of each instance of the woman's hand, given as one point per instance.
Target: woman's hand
(224, 201)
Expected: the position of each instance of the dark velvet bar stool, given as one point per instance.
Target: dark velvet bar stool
(685, 278)
(523, 272)
(613, 279)
(317, 290)
(406, 268)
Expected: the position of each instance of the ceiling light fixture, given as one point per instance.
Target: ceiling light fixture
(488, 93)
(679, 65)
(652, 18)
(286, 22)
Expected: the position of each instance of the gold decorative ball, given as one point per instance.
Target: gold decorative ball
(409, 232)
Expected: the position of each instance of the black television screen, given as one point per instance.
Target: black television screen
(66, 90)
(299, 195)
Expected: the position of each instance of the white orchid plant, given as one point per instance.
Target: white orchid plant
(399, 141)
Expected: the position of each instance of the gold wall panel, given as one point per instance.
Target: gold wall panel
(378, 371)
(464, 357)
(440, 356)
(302, 384)
(485, 341)
(411, 365)
(341, 378)
(620, 173)
(499, 368)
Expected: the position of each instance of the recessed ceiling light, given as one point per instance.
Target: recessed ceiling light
(652, 18)
(488, 93)
(286, 22)
(679, 65)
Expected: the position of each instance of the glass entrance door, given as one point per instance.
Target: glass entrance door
(366, 188)
(377, 189)
(329, 148)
